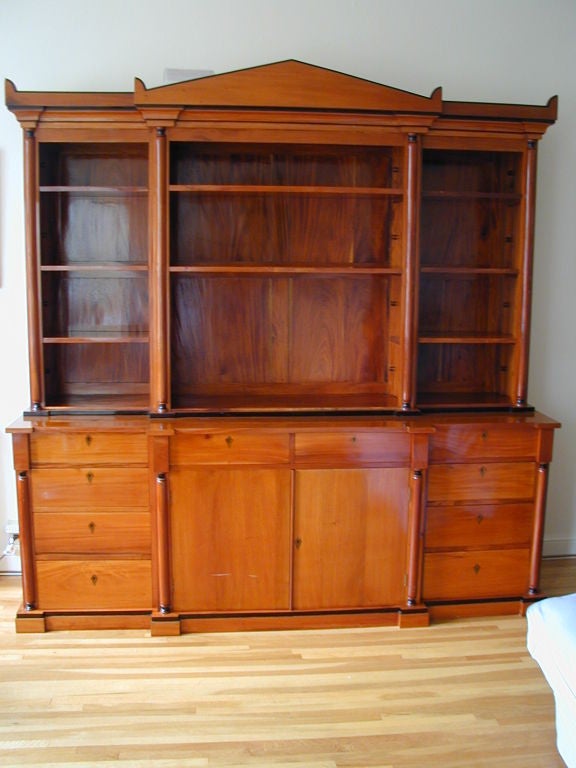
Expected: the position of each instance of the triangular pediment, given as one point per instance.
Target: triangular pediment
(287, 85)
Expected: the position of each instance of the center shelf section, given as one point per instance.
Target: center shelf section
(286, 269)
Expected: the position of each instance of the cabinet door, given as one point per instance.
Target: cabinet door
(350, 538)
(230, 531)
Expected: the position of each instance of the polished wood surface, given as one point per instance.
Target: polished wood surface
(456, 694)
(271, 522)
(231, 531)
(350, 536)
(372, 248)
(283, 239)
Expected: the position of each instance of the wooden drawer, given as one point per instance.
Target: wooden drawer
(469, 526)
(354, 448)
(92, 532)
(453, 443)
(481, 482)
(94, 584)
(88, 448)
(89, 488)
(229, 448)
(476, 574)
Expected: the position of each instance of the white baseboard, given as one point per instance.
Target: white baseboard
(559, 547)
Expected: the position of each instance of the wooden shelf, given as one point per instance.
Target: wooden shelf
(276, 189)
(98, 337)
(281, 403)
(96, 191)
(462, 400)
(456, 271)
(348, 270)
(463, 196)
(100, 267)
(467, 338)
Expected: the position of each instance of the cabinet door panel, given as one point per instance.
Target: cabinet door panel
(230, 534)
(351, 536)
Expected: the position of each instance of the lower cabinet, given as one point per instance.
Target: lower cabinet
(184, 525)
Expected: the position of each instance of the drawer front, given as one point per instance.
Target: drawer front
(94, 584)
(479, 525)
(92, 533)
(487, 441)
(353, 448)
(88, 448)
(481, 482)
(229, 448)
(89, 488)
(476, 574)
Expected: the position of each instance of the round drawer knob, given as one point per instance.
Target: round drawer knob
(94, 579)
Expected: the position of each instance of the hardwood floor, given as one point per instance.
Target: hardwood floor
(463, 693)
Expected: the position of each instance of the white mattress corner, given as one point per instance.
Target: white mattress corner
(551, 641)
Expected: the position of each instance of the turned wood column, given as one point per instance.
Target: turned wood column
(159, 260)
(538, 535)
(528, 212)
(410, 297)
(159, 467)
(31, 208)
(419, 465)
(21, 451)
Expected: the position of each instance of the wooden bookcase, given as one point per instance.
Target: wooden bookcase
(278, 328)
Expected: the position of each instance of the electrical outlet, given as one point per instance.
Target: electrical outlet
(11, 527)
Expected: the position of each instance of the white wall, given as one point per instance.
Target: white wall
(486, 50)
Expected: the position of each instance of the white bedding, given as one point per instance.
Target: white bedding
(551, 641)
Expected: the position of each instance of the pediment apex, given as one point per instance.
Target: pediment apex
(288, 84)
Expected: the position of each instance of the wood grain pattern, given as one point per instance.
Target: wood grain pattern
(453, 694)
(351, 535)
(481, 482)
(230, 539)
(89, 488)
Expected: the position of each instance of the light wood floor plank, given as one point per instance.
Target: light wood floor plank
(458, 694)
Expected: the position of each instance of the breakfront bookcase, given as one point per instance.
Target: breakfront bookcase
(279, 329)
